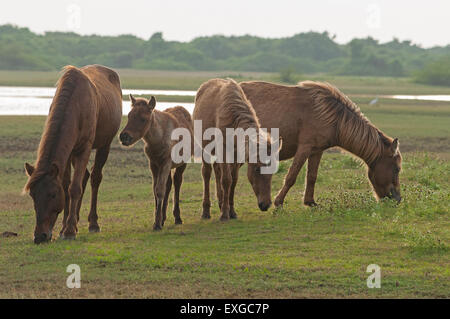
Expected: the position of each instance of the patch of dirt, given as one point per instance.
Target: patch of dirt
(430, 144)
(9, 234)
(18, 144)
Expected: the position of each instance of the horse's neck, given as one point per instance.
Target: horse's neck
(355, 145)
(59, 152)
(155, 132)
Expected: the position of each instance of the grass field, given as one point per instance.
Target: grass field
(179, 80)
(294, 252)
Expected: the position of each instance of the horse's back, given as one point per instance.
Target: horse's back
(109, 102)
(210, 100)
(285, 107)
(182, 116)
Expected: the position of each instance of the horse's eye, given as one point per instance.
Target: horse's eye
(257, 169)
(142, 120)
(52, 195)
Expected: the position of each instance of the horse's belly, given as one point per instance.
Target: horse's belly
(108, 124)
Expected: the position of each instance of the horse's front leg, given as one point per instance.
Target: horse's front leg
(311, 177)
(219, 193)
(75, 191)
(303, 152)
(206, 174)
(177, 181)
(65, 184)
(160, 192)
(225, 181)
(166, 198)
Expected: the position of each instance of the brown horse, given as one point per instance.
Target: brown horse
(222, 104)
(156, 128)
(315, 116)
(85, 114)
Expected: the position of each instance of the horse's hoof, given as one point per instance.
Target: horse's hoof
(278, 205)
(157, 227)
(311, 203)
(233, 215)
(224, 218)
(69, 236)
(94, 229)
(178, 221)
(206, 216)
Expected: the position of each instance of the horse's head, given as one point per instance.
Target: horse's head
(48, 198)
(384, 173)
(138, 120)
(260, 176)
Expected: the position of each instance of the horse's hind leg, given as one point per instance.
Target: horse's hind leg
(206, 174)
(83, 188)
(96, 178)
(311, 176)
(166, 198)
(177, 181)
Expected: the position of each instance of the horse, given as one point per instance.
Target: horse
(315, 116)
(222, 104)
(85, 114)
(155, 128)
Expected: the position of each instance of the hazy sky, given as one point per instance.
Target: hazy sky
(424, 22)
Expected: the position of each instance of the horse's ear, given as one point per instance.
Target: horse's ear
(29, 169)
(152, 103)
(132, 99)
(394, 146)
(54, 170)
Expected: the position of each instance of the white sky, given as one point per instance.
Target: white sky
(424, 22)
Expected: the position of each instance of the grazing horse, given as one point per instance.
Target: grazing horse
(314, 116)
(156, 128)
(221, 104)
(85, 114)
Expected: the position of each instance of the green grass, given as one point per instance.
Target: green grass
(188, 80)
(293, 252)
(134, 79)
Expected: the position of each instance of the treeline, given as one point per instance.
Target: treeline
(21, 49)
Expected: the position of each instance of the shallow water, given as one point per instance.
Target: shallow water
(37, 100)
(421, 97)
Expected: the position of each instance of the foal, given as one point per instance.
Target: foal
(155, 128)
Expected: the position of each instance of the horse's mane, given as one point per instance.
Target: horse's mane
(55, 121)
(355, 132)
(238, 107)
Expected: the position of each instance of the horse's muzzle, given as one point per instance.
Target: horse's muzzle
(41, 238)
(264, 206)
(394, 194)
(125, 139)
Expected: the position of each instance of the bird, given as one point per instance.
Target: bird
(374, 101)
